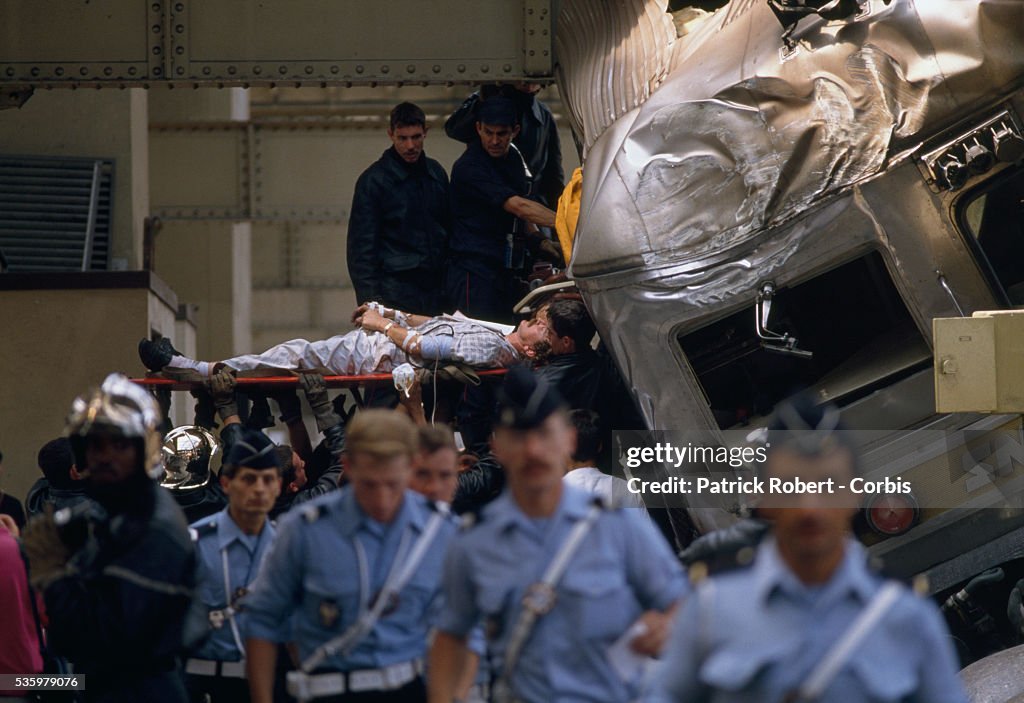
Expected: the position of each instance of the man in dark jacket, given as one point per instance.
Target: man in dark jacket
(400, 221)
(118, 577)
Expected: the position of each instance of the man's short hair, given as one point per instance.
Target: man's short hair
(434, 438)
(588, 436)
(55, 461)
(569, 318)
(284, 459)
(407, 115)
(383, 434)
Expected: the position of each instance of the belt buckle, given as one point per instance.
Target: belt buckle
(366, 680)
(539, 598)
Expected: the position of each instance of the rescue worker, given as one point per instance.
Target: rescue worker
(557, 577)
(358, 572)
(400, 221)
(806, 620)
(188, 453)
(118, 579)
(231, 545)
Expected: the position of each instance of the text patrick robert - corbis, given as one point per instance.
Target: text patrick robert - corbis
(668, 454)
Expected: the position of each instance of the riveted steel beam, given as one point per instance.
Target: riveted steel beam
(124, 43)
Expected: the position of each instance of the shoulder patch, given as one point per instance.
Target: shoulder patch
(469, 520)
(200, 531)
(312, 513)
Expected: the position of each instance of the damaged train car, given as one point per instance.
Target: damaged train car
(788, 195)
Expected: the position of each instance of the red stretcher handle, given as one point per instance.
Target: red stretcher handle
(285, 381)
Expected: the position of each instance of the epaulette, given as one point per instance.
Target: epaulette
(312, 513)
(720, 563)
(469, 520)
(203, 530)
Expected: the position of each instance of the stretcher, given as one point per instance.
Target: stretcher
(156, 382)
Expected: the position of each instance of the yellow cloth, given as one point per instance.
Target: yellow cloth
(568, 213)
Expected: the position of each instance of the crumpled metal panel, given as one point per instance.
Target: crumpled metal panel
(742, 136)
(622, 47)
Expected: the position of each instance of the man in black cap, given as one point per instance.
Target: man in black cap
(494, 216)
(560, 579)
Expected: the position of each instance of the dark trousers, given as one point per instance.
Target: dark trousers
(480, 292)
(219, 688)
(413, 692)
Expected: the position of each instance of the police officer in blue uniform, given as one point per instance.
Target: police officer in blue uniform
(561, 582)
(359, 573)
(231, 545)
(806, 619)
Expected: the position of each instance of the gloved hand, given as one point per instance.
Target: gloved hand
(1015, 609)
(316, 393)
(222, 388)
(47, 554)
(289, 404)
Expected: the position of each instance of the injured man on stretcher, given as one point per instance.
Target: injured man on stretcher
(384, 339)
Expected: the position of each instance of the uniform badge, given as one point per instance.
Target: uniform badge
(216, 618)
(329, 613)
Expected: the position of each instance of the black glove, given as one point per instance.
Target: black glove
(316, 393)
(222, 388)
(1015, 610)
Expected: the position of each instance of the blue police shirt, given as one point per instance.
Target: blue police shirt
(312, 574)
(218, 536)
(622, 568)
(755, 635)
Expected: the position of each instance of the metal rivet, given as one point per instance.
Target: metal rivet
(359, 69)
(257, 70)
(410, 69)
(385, 68)
(178, 7)
(59, 71)
(180, 28)
(180, 71)
(155, 7)
(206, 70)
(157, 71)
(282, 70)
(507, 68)
(179, 50)
(485, 68)
(156, 29)
(10, 71)
(532, 52)
(157, 51)
(309, 70)
(435, 68)
(132, 70)
(461, 68)
(34, 71)
(334, 69)
(232, 70)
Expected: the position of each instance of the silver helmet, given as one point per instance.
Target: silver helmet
(188, 452)
(121, 407)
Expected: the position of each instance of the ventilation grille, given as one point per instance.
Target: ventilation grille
(52, 210)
